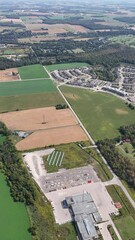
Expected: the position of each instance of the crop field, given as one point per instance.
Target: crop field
(56, 28)
(36, 71)
(38, 119)
(66, 66)
(14, 221)
(26, 87)
(7, 75)
(48, 126)
(54, 136)
(30, 101)
(102, 114)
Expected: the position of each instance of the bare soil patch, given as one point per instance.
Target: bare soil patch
(9, 75)
(121, 111)
(54, 136)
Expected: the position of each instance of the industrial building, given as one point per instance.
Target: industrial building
(85, 215)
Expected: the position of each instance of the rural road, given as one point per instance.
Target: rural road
(115, 179)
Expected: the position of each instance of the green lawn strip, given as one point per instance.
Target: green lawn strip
(118, 195)
(74, 157)
(102, 114)
(26, 87)
(125, 222)
(126, 227)
(65, 66)
(130, 189)
(100, 167)
(14, 221)
(22, 102)
(32, 72)
(112, 232)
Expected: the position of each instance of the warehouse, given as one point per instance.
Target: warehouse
(85, 215)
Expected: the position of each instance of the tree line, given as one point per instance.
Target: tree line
(122, 166)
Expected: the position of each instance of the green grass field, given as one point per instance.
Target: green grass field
(26, 87)
(14, 221)
(11, 103)
(125, 223)
(65, 66)
(32, 72)
(74, 156)
(128, 40)
(102, 114)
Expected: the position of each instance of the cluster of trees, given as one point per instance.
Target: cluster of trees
(61, 106)
(128, 132)
(9, 63)
(21, 186)
(130, 20)
(122, 166)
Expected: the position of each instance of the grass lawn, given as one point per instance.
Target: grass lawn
(26, 87)
(125, 222)
(12, 103)
(14, 220)
(65, 66)
(32, 72)
(74, 157)
(126, 227)
(102, 114)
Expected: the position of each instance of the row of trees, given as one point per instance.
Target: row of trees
(9, 63)
(21, 186)
(121, 165)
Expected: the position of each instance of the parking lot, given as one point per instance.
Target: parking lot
(68, 178)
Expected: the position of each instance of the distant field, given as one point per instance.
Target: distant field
(128, 40)
(14, 221)
(32, 72)
(101, 113)
(36, 100)
(26, 87)
(65, 66)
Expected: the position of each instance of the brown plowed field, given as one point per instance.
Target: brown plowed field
(31, 120)
(6, 75)
(54, 136)
(56, 28)
(49, 126)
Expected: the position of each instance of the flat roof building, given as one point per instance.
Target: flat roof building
(85, 215)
